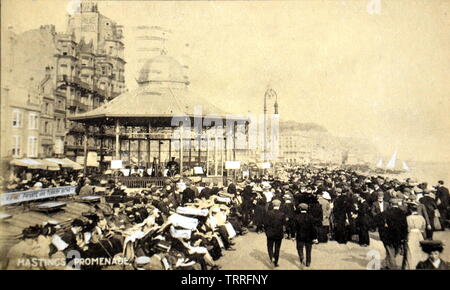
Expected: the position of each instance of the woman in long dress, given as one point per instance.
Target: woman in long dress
(416, 228)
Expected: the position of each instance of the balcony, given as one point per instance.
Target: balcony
(82, 84)
(64, 78)
(115, 94)
(100, 91)
(72, 103)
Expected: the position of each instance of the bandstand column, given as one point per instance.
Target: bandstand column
(234, 147)
(117, 131)
(207, 153)
(215, 152)
(86, 130)
(181, 149)
(148, 145)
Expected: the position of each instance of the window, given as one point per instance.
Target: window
(33, 121)
(59, 124)
(32, 146)
(46, 125)
(17, 119)
(16, 146)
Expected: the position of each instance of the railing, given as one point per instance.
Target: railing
(141, 182)
(134, 182)
(145, 182)
(64, 78)
(76, 103)
(10, 198)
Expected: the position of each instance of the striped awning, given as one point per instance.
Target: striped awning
(29, 163)
(52, 166)
(66, 163)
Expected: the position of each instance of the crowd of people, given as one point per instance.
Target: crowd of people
(38, 179)
(318, 204)
(182, 225)
(169, 227)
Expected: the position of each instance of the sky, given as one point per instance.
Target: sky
(382, 76)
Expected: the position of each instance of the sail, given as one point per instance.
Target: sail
(380, 163)
(405, 166)
(391, 163)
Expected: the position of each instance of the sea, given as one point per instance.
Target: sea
(430, 172)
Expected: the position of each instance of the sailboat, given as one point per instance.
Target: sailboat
(405, 166)
(380, 163)
(391, 163)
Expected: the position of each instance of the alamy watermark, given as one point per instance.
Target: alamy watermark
(257, 132)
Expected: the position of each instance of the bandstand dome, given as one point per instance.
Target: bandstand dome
(162, 69)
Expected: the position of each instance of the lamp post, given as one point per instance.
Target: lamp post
(269, 93)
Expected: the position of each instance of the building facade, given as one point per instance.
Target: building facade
(308, 143)
(48, 76)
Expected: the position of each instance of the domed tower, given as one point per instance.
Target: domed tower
(163, 71)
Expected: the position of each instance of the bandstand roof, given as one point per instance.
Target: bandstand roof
(150, 104)
(162, 94)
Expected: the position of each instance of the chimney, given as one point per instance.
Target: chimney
(276, 107)
(48, 72)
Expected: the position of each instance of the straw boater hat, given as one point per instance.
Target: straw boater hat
(276, 202)
(417, 189)
(142, 261)
(326, 195)
(303, 206)
(395, 201)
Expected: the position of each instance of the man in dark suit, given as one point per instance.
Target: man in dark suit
(306, 233)
(205, 193)
(341, 215)
(393, 233)
(443, 201)
(430, 207)
(215, 189)
(247, 204)
(274, 222)
(378, 207)
(188, 194)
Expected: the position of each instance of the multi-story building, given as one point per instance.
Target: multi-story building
(90, 70)
(20, 124)
(311, 143)
(64, 73)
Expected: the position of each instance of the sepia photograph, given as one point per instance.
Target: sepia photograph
(225, 135)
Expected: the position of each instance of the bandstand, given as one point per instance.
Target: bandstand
(162, 119)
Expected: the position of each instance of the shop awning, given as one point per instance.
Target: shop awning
(52, 166)
(66, 163)
(75, 165)
(61, 162)
(29, 163)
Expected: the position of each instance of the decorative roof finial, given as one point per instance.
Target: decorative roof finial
(163, 49)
